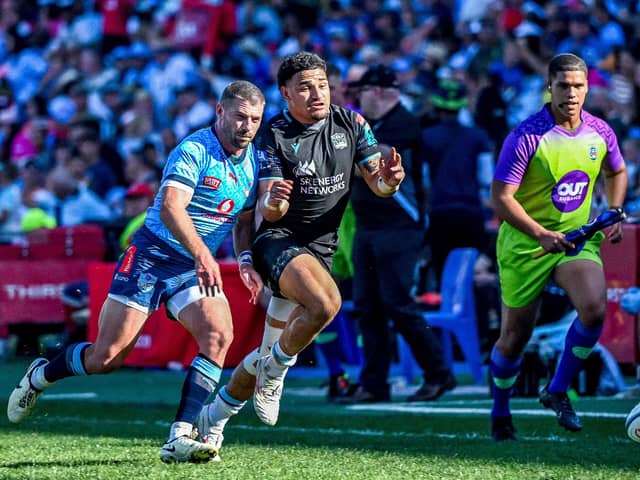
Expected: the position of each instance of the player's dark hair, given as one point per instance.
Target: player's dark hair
(242, 90)
(299, 62)
(566, 62)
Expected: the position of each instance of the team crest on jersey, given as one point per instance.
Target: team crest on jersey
(339, 141)
(146, 282)
(211, 182)
(593, 153)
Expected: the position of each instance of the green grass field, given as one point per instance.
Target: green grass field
(112, 427)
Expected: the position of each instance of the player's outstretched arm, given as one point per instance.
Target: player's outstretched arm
(384, 180)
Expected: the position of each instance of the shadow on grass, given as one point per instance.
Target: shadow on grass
(66, 463)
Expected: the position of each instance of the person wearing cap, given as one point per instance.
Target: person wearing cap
(383, 266)
(542, 189)
(460, 168)
(137, 199)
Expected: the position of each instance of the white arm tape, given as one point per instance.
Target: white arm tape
(385, 188)
(267, 205)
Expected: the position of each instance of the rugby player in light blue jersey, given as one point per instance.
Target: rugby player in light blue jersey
(209, 187)
(542, 189)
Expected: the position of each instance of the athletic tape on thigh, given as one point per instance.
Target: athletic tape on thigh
(280, 308)
(186, 297)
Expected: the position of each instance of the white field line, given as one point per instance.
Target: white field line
(316, 431)
(69, 396)
(406, 408)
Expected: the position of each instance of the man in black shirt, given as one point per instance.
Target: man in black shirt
(312, 150)
(388, 241)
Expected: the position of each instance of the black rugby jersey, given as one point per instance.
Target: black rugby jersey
(320, 159)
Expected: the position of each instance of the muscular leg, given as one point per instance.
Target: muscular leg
(306, 282)
(506, 356)
(232, 397)
(584, 282)
(119, 326)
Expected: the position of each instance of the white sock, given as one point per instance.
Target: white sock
(280, 361)
(222, 408)
(180, 429)
(37, 378)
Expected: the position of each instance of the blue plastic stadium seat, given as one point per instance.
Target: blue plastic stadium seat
(456, 316)
(347, 334)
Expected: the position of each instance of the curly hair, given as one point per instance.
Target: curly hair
(299, 62)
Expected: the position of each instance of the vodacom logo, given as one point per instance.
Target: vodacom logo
(226, 206)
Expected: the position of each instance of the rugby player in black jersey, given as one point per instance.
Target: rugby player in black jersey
(313, 150)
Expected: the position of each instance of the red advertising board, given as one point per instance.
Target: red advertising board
(621, 265)
(30, 290)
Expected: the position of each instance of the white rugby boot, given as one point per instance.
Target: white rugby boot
(24, 397)
(268, 391)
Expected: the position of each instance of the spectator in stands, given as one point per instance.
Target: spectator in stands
(138, 169)
(10, 204)
(137, 200)
(382, 288)
(191, 111)
(100, 175)
(115, 14)
(75, 203)
(461, 167)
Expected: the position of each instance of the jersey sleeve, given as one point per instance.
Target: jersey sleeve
(367, 151)
(614, 159)
(269, 163)
(515, 154)
(185, 164)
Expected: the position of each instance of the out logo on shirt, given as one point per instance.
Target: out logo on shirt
(570, 192)
(593, 153)
(211, 182)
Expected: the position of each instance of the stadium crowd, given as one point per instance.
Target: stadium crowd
(94, 94)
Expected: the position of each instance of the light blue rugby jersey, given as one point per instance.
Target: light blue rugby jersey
(223, 187)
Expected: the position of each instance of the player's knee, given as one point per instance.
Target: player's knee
(593, 314)
(220, 338)
(324, 309)
(512, 346)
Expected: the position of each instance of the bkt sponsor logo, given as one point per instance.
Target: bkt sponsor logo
(34, 292)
